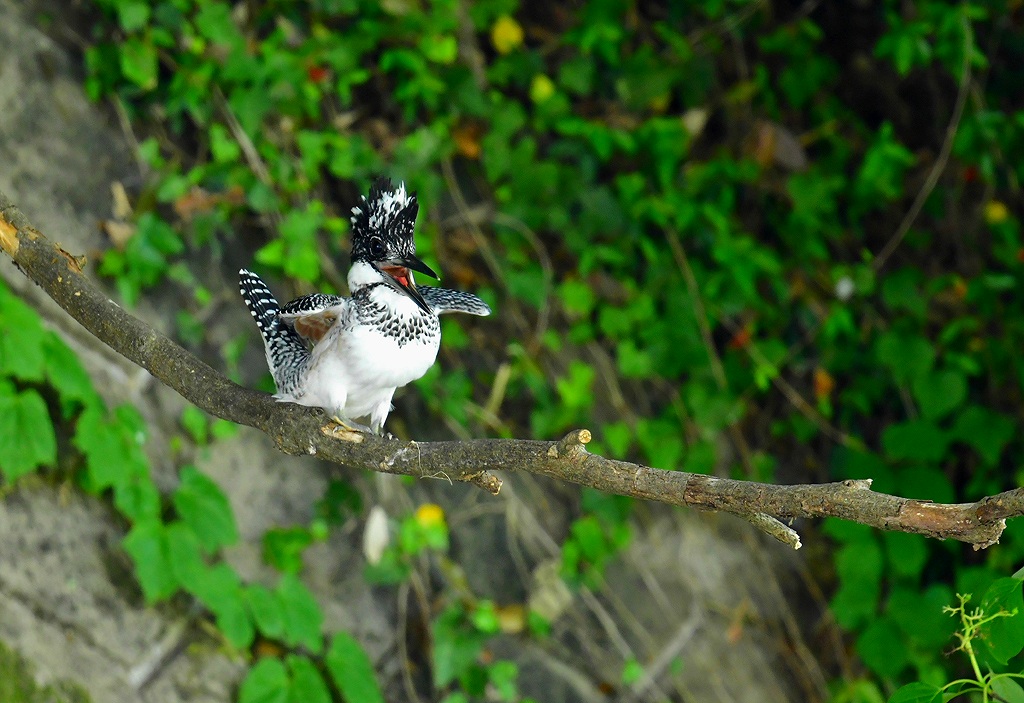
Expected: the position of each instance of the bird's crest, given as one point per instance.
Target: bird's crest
(383, 222)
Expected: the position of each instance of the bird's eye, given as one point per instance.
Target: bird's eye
(377, 250)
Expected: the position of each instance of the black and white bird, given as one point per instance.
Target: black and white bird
(349, 355)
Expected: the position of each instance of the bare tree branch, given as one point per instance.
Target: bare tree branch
(300, 430)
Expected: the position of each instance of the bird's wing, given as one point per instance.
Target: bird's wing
(313, 315)
(443, 300)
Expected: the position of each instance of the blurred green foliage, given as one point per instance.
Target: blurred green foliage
(694, 218)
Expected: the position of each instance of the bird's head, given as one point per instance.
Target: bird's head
(382, 239)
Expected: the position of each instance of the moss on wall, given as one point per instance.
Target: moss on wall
(18, 685)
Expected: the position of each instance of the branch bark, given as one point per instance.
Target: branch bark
(300, 430)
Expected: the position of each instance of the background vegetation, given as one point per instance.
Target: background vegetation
(775, 241)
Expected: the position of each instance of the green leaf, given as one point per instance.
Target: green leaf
(973, 580)
(215, 23)
(713, 410)
(196, 424)
(859, 566)
(219, 583)
(113, 446)
(632, 671)
(618, 436)
(608, 507)
(881, 175)
(882, 649)
(220, 590)
(65, 372)
(184, 555)
(502, 675)
(920, 614)
(223, 429)
(456, 646)
(26, 433)
(352, 671)
(148, 250)
(575, 387)
(527, 284)
(266, 609)
(390, 570)
(485, 618)
(901, 290)
(987, 431)
(907, 356)
(339, 500)
(103, 444)
(925, 483)
(223, 147)
(441, 49)
(204, 507)
(139, 62)
(1004, 635)
(147, 546)
(132, 14)
(916, 439)
(22, 341)
(303, 618)
(283, 548)
(308, 686)
(999, 281)
(1008, 690)
(634, 362)
(907, 553)
(590, 537)
(940, 392)
(267, 682)
(272, 253)
(846, 531)
(917, 692)
(661, 441)
(233, 621)
(701, 457)
(858, 464)
(577, 297)
(298, 252)
(138, 499)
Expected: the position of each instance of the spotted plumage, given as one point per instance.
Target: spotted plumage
(349, 355)
(444, 300)
(286, 353)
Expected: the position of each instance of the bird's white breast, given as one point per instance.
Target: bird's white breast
(355, 370)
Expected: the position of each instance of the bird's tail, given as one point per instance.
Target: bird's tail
(286, 352)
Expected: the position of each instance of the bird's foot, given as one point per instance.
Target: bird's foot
(351, 425)
(346, 430)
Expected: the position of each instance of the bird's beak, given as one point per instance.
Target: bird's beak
(399, 276)
(417, 265)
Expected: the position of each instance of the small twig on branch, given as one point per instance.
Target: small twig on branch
(300, 430)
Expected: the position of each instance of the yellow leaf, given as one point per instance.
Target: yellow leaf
(996, 212)
(506, 34)
(429, 515)
(541, 88)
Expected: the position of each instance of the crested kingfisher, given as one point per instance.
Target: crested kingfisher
(349, 355)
